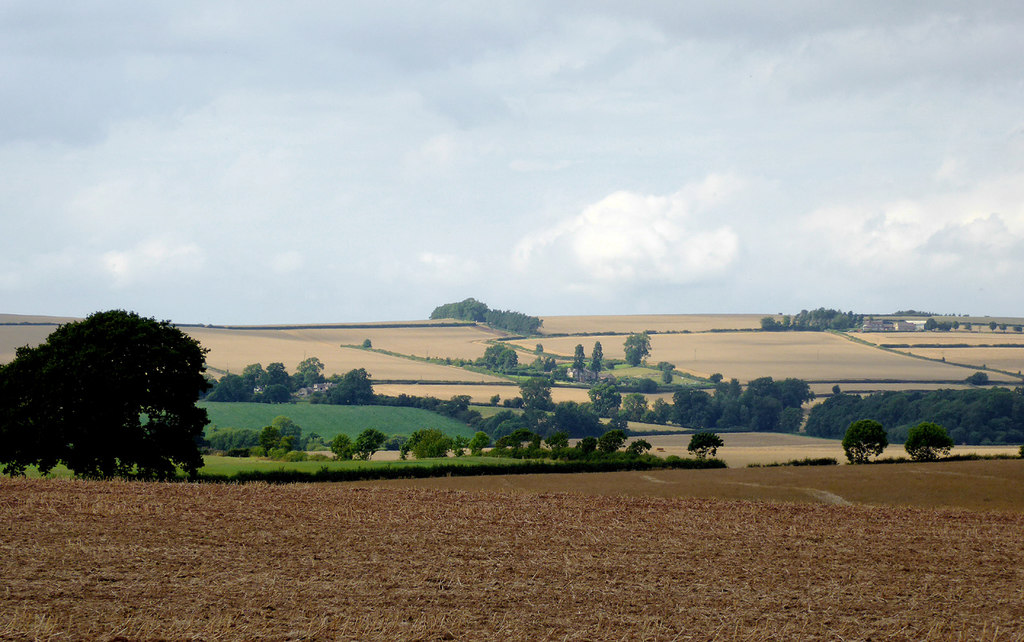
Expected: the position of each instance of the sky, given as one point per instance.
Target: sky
(301, 162)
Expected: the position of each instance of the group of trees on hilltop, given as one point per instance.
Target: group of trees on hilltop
(985, 416)
(473, 310)
(765, 405)
(820, 319)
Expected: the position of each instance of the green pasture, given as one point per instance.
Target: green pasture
(329, 420)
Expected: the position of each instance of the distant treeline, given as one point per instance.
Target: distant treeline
(988, 416)
(820, 319)
(765, 405)
(473, 310)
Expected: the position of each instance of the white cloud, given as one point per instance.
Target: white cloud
(445, 269)
(287, 262)
(153, 260)
(636, 238)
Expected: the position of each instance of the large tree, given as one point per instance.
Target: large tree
(637, 347)
(597, 357)
(112, 395)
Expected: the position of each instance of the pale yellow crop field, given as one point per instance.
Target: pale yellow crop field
(940, 338)
(656, 322)
(1009, 359)
(745, 448)
(232, 350)
(477, 393)
(13, 337)
(463, 342)
(817, 356)
(864, 388)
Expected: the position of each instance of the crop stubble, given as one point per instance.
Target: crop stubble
(97, 560)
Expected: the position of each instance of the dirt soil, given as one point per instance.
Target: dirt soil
(106, 560)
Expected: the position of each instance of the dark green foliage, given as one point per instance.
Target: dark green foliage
(605, 399)
(611, 441)
(978, 379)
(587, 445)
(231, 388)
(112, 395)
(638, 447)
(429, 442)
(368, 442)
(232, 439)
(704, 444)
(576, 420)
(597, 357)
(479, 441)
(864, 439)
(807, 461)
(557, 439)
(353, 389)
(637, 346)
(766, 405)
(927, 441)
(499, 357)
(974, 416)
(820, 319)
(341, 446)
(579, 357)
(473, 310)
(536, 393)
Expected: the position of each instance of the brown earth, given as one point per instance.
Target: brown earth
(94, 560)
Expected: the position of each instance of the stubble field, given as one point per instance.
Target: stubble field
(816, 356)
(656, 322)
(91, 560)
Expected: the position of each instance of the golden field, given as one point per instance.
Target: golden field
(985, 338)
(814, 356)
(232, 350)
(1008, 359)
(656, 322)
(619, 556)
(744, 448)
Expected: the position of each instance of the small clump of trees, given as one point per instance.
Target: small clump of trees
(472, 310)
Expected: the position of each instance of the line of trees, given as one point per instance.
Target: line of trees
(975, 416)
(867, 438)
(272, 384)
(819, 319)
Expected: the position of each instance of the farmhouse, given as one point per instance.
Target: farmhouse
(885, 325)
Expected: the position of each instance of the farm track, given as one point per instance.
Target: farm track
(95, 560)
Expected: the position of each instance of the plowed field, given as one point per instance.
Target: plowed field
(92, 560)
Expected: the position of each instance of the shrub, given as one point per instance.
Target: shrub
(927, 441)
(864, 439)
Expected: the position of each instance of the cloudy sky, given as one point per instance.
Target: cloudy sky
(257, 162)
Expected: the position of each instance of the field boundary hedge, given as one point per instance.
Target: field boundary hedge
(533, 467)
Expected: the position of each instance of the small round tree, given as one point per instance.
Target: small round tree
(927, 441)
(611, 441)
(703, 444)
(864, 439)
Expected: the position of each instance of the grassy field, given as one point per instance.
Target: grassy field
(93, 560)
(329, 420)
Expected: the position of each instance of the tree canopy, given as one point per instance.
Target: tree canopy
(637, 347)
(472, 310)
(112, 395)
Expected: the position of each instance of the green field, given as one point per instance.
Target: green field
(328, 420)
